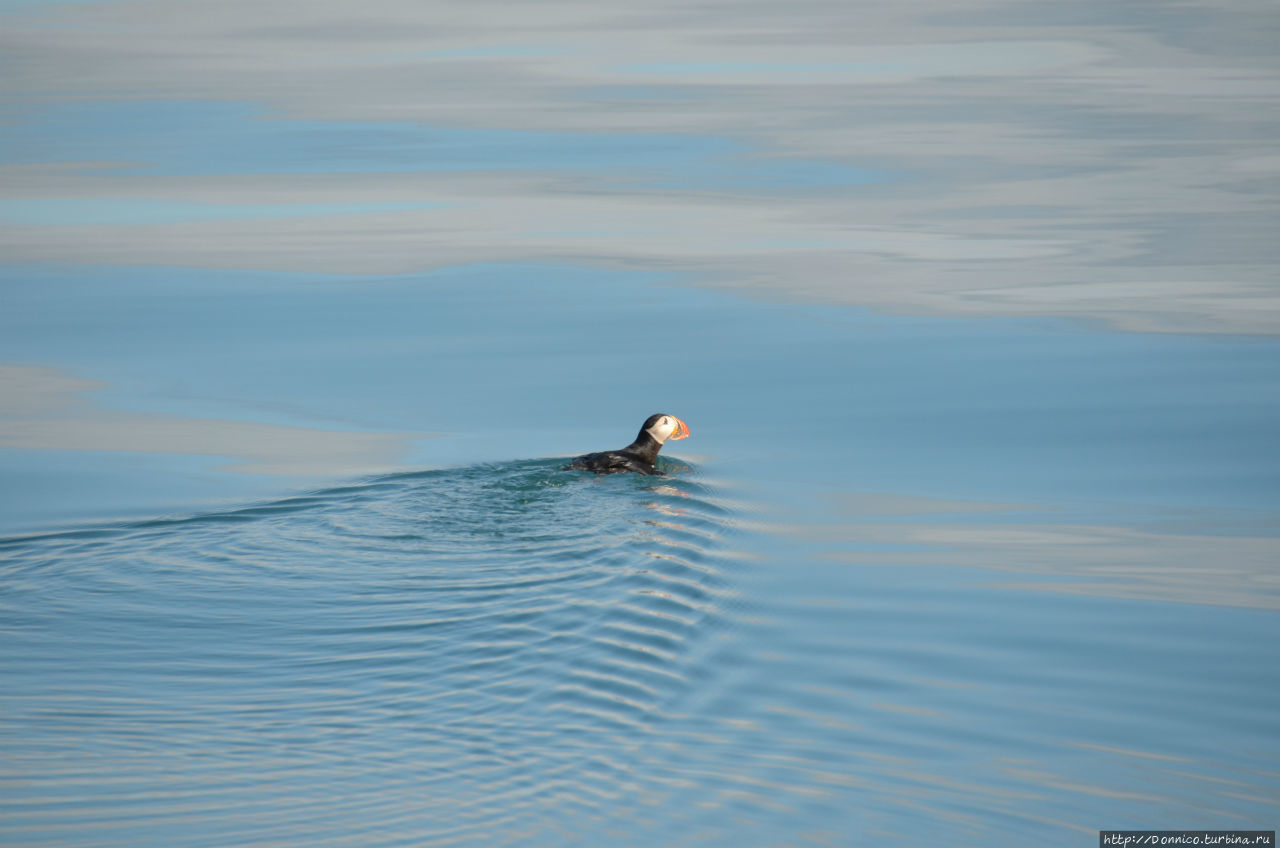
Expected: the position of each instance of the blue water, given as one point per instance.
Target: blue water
(945, 576)
(512, 653)
(538, 618)
(972, 316)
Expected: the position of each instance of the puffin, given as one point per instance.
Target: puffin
(639, 456)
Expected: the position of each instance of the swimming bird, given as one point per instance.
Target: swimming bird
(639, 456)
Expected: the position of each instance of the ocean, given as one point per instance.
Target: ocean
(970, 309)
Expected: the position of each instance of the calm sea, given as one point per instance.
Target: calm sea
(971, 309)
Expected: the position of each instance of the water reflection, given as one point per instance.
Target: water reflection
(45, 409)
(478, 649)
(506, 654)
(1233, 561)
(510, 653)
(894, 158)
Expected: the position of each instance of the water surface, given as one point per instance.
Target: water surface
(971, 309)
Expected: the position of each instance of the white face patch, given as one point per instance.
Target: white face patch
(662, 429)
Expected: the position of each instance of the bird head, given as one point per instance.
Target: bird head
(664, 428)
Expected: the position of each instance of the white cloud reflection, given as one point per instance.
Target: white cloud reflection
(45, 409)
(1187, 562)
(1115, 163)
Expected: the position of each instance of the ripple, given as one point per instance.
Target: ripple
(488, 629)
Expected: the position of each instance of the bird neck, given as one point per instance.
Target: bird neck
(645, 446)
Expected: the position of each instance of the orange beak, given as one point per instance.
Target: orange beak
(681, 431)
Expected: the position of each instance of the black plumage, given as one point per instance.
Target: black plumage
(638, 457)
